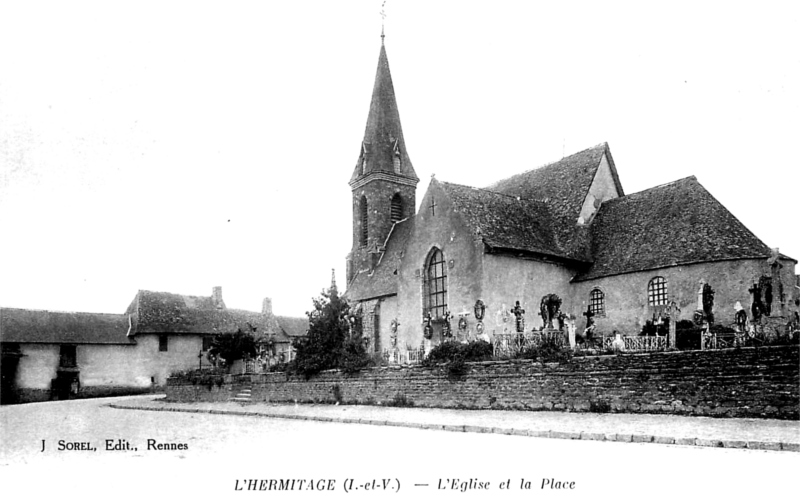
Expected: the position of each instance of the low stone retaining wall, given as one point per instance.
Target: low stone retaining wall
(39, 395)
(746, 382)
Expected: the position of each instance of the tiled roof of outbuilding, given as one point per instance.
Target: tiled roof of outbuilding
(504, 221)
(676, 223)
(563, 185)
(58, 327)
(293, 326)
(382, 281)
(164, 312)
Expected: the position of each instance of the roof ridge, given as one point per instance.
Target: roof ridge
(172, 293)
(62, 311)
(541, 166)
(685, 179)
(494, 192)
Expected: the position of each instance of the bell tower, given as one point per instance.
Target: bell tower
(383, 182)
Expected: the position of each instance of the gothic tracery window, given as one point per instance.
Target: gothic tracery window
(657, 292)
(436, 285)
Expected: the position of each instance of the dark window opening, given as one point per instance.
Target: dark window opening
(397, 208)
(207, 341)
(364, 219)
(68, 356)
(163, 342)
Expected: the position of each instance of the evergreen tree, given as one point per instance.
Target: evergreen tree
(329, 342)
(233, 346)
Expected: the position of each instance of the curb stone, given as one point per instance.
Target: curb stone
(627, 438)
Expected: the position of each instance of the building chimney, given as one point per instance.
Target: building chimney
(266, 306)
(216, 298)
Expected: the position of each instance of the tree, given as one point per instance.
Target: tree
(331, 341)
(233, 346)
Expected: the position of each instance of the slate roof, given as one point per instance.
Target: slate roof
(563, 185)
(293, 326)
(164, 312)
(59, 327)
(672, 224)
(505, 221)
(382, 281)
(383, 131)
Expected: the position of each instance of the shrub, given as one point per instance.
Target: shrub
(324, 346)
(233, 346)
(206, 377)
(651, 329)
(599, 406)
(354, 356)
(280, 367)
(456, 355)
(400, 400)
(451, 350)
(548, 350)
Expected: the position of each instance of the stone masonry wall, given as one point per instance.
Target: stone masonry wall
(748, 382)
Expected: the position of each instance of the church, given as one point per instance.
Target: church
(559, 241)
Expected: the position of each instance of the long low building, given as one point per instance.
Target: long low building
(59, 355)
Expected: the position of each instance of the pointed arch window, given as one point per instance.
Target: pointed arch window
(657, 291)
(364, 235)
(597, 302)
(397, 208)
(435, 298)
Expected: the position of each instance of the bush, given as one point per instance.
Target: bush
(206, 377)
(452, 350)
(324, 346)
(599, 406)
(233, 346)
(354, 356)
(651, 329)
(400, 400)
(456, 355)
(549, 350)
(687, 335)
(280, 367)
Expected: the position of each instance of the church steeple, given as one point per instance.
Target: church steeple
(383, 182)
(383, 148)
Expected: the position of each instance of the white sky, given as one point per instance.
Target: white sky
(175, 146)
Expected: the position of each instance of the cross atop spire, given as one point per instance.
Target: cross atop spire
(383, 19)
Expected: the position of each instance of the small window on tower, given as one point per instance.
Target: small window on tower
(397, 207)
(396, 157)
(364, 236)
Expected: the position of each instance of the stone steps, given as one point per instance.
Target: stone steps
(245, 395)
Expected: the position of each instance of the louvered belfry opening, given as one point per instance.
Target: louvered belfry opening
(397, 208)
(364, 225)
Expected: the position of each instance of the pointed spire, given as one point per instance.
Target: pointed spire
(333, 291)
(383, 148)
